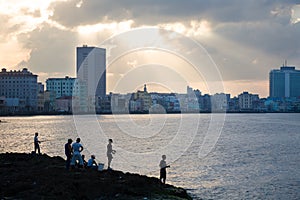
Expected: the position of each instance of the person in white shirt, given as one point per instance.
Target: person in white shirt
(77, 149)
(163, 166)
(109, 152)
(92, 163)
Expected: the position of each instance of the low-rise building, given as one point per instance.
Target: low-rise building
(247, 101)
(21, 85)
(61, 86)
(219, 102)
(64, 104)
(140, 101)
(205, 103)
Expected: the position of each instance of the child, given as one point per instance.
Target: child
(163, 172)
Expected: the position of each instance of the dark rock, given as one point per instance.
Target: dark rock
(27, 176)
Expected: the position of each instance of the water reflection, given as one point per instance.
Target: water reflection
(256, 157)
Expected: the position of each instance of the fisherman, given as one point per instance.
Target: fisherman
(77, 149)
(163, 166)
(36, 143)
(68, 153)
(109, 153)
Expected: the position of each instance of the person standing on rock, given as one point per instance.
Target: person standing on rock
(163, 172)
(109, 153)
(36, 143)
(68, 153)
(77, 149)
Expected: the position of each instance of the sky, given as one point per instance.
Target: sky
(244, 40)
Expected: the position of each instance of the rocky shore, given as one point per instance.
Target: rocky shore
(26, 176)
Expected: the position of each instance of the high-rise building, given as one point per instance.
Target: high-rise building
(61, 86)
(91, 68)
(19, 87)
(284, 82)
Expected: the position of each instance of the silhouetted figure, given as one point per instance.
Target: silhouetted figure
(109, 152)
(77, 148)
(163, 172)
(91, 164)
(68, 153)
(37, 143)
(84, 161)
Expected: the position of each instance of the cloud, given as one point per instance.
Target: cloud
(51, 49)
(144, 12)
(295, 18)
(272, 38)
(34, 13)
(5, 28)
(246, 39)
(261, 25)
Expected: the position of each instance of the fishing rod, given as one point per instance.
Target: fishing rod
(44, 140)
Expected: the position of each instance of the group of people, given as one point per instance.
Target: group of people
(73, 153)
(74, 157)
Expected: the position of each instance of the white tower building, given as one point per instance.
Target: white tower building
(91, 68)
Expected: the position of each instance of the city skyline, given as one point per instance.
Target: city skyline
(21, 93)
(48, 84)
(245, 40)
(153, 89)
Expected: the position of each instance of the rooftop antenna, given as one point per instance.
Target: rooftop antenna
(285, 62)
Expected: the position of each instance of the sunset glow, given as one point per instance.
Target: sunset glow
(244, 44)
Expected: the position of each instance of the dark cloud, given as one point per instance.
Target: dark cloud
(52, 50)
(248, 51)
(270, 37)
(145, 12)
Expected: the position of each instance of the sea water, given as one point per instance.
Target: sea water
(213, 156)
